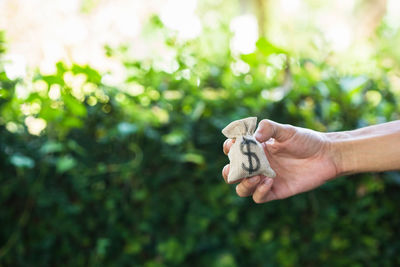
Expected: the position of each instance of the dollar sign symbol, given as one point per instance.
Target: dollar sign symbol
(246, 143)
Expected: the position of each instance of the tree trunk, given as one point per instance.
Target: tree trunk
(370, 16)
(261, 10)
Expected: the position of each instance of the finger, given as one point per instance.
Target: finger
(269, 129)
(248, 186)
(227, 145)
(262, 193)
(225, 172)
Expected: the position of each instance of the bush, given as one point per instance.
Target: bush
(131, 175)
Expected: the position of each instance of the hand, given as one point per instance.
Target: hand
(302, 159)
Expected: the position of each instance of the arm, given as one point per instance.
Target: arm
(304, 159)
(370, 149)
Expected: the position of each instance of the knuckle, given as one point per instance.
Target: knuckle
(289, 129)
(257, 200)
(240, 192)
(265, 122)
(249, 185)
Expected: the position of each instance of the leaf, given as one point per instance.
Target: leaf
(53, 79)
(126, 128)
(102, 244)
(65, 164)
(194, 158)
(50, 114)
(250, 59)
(267, 48)
(22, 161)
(51, 147)
(74, 105)
(74, 146)
(175, 137)
(171, 250)
(350, 84)
(72, 122)
(93, 75)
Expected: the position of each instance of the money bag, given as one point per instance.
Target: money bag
(247, 157)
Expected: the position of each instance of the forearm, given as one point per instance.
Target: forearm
(370, 149)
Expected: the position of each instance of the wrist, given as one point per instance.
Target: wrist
(341, 152)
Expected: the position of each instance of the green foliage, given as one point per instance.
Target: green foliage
(131, 175)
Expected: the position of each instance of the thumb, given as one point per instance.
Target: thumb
(269, 129)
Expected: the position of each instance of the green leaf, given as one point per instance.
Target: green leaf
(72, 122)
(172, 250)
(51, 147)
(351, 84)
(175, 137)
(267, 48)
(126, 128)
(194, 158)
(22, 161)
(92, 74)
(65, 164)
(53, 79)
(102, 244)
(74, 105)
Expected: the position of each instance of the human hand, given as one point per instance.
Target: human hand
(302, 159)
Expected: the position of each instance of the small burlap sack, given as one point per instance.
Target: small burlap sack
(247, 157)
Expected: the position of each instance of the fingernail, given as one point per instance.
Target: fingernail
(254, 179)
(268, 182)
(224, 146)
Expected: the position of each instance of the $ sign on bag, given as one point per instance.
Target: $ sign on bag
(247, 157)
(246, 144)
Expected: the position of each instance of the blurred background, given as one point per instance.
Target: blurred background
(110, 130)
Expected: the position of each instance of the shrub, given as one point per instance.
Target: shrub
(131, 175)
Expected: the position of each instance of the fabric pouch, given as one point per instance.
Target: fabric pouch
(247, 157)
